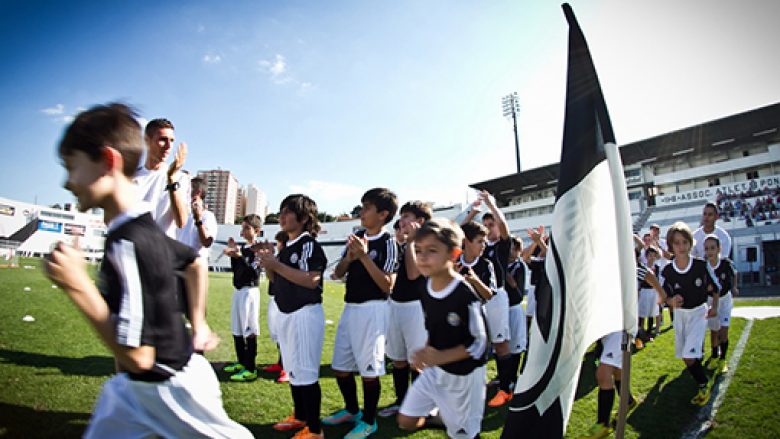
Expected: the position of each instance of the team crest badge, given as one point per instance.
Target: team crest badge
(294, 258)
(698, 282)
(676, 286)
(453, 319)
(372, 254)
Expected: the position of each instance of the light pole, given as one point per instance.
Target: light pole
(511, 106)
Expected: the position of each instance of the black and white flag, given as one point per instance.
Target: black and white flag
(590, 284)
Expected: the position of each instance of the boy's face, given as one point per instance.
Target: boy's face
(159, 144)
(708, 217)
(370, 218)
(288, 221)
(474, 247)
(492, 227)
(652, 257)
(711, 249)
(680, 246)
(86, 179)
(408, 218)
(248, 232)
(647, 239)
(432, 256)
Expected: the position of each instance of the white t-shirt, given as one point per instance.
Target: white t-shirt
(188, 234)
(700, 234)
(151, 186)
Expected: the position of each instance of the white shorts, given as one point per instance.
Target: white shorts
(301, 334)
(530, 301)
(245, 312)
(189, 404)
(460, 399)
(360, 339)
(272, 317)
(690, 325)
(647, 303)
(518, 330)
(497, 316)
(723, 319)
(612, 355)
(405, 329)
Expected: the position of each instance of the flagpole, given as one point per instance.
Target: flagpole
(625, 386)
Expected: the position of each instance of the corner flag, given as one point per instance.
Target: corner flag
(589, 289)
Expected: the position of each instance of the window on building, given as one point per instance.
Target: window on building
(751, 175)
(714, 181)
(745, 153)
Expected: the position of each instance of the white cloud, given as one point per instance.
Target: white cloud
(332, 197)
(55, 110)
(276, 69)
(212, 58)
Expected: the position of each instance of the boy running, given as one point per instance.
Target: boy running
(719, 325)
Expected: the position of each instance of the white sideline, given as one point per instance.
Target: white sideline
(703, 422)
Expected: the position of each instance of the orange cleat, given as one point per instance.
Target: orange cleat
(500, 399)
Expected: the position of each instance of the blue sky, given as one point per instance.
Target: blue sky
(333, 98)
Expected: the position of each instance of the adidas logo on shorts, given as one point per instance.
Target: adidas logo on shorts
(609, 355)
(461, 431)
(369, 368)
(693, 350)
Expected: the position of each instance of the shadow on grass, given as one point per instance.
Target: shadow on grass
(666, 409)
(92, 365)
(587, 379)
(26, 422)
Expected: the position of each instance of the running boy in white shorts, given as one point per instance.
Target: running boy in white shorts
(297, 277)
(370, 261)
(687, 283)
(245, 308)
(161, 388)
(455, 354)
(719, 325)
(406, 327)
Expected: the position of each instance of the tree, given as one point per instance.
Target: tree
(272, 218)
(325, 217)
(356, 211)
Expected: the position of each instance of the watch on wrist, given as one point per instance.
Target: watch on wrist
(198, 223)
(172, 187)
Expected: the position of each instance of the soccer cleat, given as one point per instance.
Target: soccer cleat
(276, 367)
(711, 363)
(341, 417)
(723, 366)
(390, 410)
(597, 431)
(306, 434)
(702, 396)
(283, 377)
(361, 430)
(233, 367)
(500, 399)
(638, 343)
(289, 423)
(244, 376)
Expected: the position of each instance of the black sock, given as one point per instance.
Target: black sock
(671, 314)
(280, 356)
(371, 391)
(697, 372)
(504, 366)
(715, 353)
(299, 410)
(251, 353)
(400, 382)
(414, 373)
(515, 368)
(605, 401)
(238, 342)
(724, 347)
(311, 397)
(617, 389)
(349, 392)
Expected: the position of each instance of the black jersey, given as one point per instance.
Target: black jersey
(454, 317)
(137, 281)
(498, 252)
(383, 251)
(536, 265)
(516, 270)
(405, 289)
(693, 283)
(726, 273)
(641, 274)
(245, 270)
(303, 253)
(483, 269)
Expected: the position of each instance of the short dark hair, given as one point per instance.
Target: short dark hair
(156, 124)
(397, 225)
(113, 125)
(253, 220)
(473, 229)
(712, 206)
(487, 216)
(282, 237)
(681, 228)
(305, 210)
(444, 230)
(652, 249)
(517, 242)
(419, 209)
(383, 199)
(712, 237)
(198, 185)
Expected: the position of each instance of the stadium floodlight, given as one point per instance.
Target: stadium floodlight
(511, 107)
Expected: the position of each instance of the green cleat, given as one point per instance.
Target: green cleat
(723, 366)
(233, 367)
(702, 396)
(598, 431)
(244, 376)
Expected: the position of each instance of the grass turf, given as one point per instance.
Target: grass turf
(51, 371)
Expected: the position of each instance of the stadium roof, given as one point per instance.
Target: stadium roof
(758, 125)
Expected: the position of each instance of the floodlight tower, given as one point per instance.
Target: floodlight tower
(511, 106)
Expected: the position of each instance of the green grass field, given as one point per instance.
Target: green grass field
(51, 371)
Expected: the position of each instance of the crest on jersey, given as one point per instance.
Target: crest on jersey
(294, 258)
(676, 286)
(372, 254)
(698, 282)
(453, 319)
